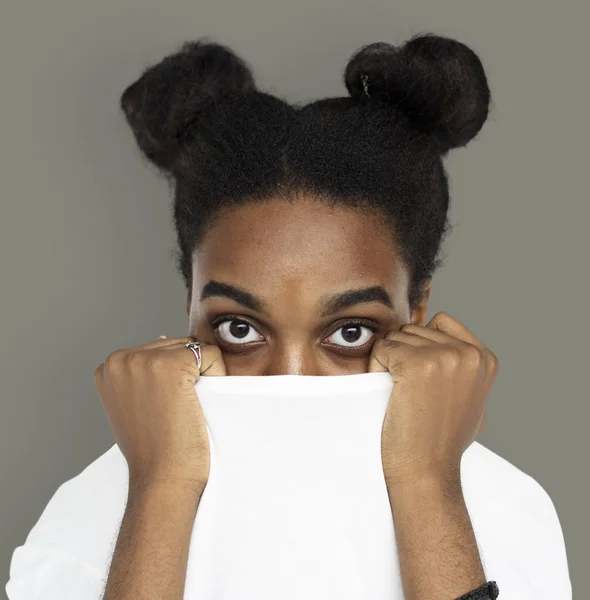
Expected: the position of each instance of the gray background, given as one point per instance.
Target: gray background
(86, 234)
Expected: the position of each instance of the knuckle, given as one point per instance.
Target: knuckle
(213, 350)
(391, 335)
(135, 358)
(379, 343)
(152, 361)
(430, 366)
(114, 361)
(387, 344)
(493, 361)
(441, 316)
(451, 357)
(472, 354)
(98, 373)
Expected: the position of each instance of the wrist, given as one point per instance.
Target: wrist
(150, 485)
(434, 484)
(422, 472)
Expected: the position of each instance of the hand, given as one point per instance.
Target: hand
(148, 394)
(442, 377)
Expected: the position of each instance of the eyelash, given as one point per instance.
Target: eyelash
(369, 325)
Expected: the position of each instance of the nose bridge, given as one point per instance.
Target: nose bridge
(294, 358)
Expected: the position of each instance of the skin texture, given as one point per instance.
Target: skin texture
(290, 255)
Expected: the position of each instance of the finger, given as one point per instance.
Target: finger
(180, 344)
(174, 345)
(408, 337)
(443, 323)
(386, 357)
(160, 344)
(163, 343)
(434, 331)
(212, 362)
(426, 332)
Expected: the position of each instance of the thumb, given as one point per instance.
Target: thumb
(375, 365)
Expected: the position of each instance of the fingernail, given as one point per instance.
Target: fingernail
(162, 337)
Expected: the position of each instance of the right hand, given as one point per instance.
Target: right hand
(148, 394)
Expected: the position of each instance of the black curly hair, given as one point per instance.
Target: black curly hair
(198, 117)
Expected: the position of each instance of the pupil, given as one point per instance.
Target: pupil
(234, 329)
(349, 338)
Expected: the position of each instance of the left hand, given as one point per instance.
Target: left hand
(442, 377)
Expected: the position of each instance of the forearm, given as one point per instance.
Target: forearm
(151, 553)
(438, 554)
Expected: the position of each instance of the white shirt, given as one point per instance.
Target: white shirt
(295, 506)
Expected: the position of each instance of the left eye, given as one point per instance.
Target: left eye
(351, 333)
(239, 331)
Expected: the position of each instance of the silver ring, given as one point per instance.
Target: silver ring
(196, 348)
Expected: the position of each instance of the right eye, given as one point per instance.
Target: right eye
(234, 331)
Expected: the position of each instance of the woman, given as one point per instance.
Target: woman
(308, 236)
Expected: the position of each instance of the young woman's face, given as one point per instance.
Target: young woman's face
(290, 263)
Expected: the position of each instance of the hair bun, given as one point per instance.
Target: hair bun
(169, 96)
(439, 83)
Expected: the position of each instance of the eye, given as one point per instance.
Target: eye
(353, 335)
(237, 331)
(234, 331)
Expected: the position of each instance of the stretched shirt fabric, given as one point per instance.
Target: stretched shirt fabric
(296, 505)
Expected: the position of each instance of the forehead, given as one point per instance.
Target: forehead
(309, 247)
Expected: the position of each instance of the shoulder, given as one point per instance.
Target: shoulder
(489, 481)
(518, 531)
(83, 516)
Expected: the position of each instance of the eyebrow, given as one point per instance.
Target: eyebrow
(329, 304)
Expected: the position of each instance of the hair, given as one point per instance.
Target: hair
(199, 118)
